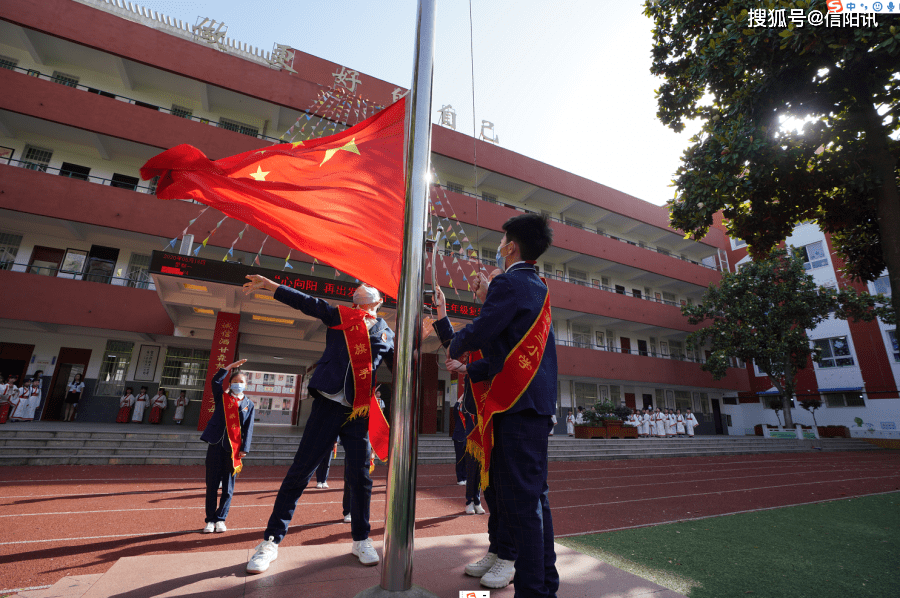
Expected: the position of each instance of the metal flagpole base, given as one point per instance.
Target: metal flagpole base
(412, 592)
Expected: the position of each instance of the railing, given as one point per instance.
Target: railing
(676, 356)
(127, 100)
(148, 188)
(137, 280)
(583, 227)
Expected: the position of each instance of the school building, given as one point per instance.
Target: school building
(94, 283)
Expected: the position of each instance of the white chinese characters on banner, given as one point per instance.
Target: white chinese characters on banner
(346, 78)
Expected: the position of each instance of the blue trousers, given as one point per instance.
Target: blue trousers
(460, 447)
(519, 477)
(327, 420)
(218, 469)
(473, 480)
(324, 466)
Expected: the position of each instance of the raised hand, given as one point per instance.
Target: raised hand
(236, 364)
(258, 282)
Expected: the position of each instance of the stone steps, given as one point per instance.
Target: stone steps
(63, 447)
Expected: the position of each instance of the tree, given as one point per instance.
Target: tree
(762, 312)
(741, 80)
(811, 404)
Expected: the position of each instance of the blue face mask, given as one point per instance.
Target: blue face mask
(237, 388)
(501, 261)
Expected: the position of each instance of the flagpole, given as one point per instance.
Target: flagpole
(400, 511)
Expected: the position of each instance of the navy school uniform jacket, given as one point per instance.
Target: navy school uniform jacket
(512, 305)
(215, 428)
(332, 371)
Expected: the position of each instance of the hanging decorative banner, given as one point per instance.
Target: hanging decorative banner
(258, 253)
(287, 261)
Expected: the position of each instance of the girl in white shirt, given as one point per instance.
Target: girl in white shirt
(21, 403)
(125, 404)
(140, 403)
(679, 423)
(73, 395)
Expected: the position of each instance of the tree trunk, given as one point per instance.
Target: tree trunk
(788, 418)
(887, 200)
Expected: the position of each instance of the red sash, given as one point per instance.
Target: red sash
(232, 413)
(356, 335)
(503, 391)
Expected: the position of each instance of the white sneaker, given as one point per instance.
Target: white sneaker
(319, 485)
(366, 552)
(220, 527)
(479, 510)
(462, 483)
(479, 568)
(266, 552)
(324, 485)
(210, 528)
(347, 518)
(500, 574)
(470, 509)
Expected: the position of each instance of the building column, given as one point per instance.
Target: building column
(224, 347)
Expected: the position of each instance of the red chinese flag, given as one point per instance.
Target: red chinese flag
(339, 199)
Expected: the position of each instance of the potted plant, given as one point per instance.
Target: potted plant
(592, 426)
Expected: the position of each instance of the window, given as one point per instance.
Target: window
(151, 185)
(455, 187)
(581, 335)
(610, 339)
(584, 394)
(237, 127)
(834, 352)
(682, 400)
(548, 269)
(181, 111)
(64, 79)
(892, 334)
(74, 171)
(105, 94)
(185, 368)
(813, 255)
(138, 274)
(669, 298)
(111, 382)
(663, 251)
(123, 181)
(578, 277)
(100, 264)
(487, 257)
(701, 402)
(575, 223)
(146, 105)
(615, 394)
(844, 399)
(883, 286)
(677, 349)
(636, 293)
(642, 347)
(488, 197)
(604, 281)
(37, 158)
(769, 401)
(620, 289)
(736, 243)
(9, 249)
(8, 63)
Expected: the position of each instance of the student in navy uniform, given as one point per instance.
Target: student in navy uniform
(333, 386)
(219, 463)
(513, 303)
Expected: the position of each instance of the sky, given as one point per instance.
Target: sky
(565, 83)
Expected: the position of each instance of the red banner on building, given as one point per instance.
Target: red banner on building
(224, 345)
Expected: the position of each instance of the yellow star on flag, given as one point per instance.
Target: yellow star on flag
(296, 143)
(259, 175)
(350, 147)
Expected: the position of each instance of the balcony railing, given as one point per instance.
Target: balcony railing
(138, 279)
(127, 100)
(640, 244)
(676, 356)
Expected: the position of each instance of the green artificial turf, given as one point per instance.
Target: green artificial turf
(840, 549)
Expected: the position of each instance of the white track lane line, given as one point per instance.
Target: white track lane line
(799, 504)
(617, 502)
(856, 465)
(422, 498)
(625, 467)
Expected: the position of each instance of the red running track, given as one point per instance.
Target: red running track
(74, 520)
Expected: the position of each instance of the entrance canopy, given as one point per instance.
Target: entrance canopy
(272, 336)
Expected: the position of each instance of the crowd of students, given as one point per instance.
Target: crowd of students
(157, 405)
(19, 403)
(663, 423)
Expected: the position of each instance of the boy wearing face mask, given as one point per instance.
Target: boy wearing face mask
(229, 433)
(344, 406)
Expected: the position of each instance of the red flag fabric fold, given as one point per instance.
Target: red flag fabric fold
(339, 199)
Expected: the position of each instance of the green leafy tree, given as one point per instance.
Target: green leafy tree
(741, 79)
(762, 312)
